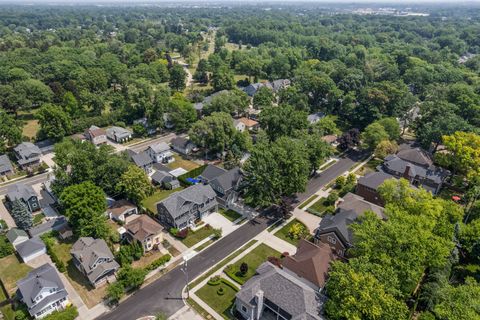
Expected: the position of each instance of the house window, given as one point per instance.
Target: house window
(331, 240)
(244, 309)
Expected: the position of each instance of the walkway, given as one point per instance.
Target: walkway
(5, 216)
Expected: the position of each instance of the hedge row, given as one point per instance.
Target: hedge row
(157, 263)
(49, 243)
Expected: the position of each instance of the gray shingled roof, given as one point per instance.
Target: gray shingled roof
(180, 142)
(284, 289)
(162, 177)
(374, 179)
(30, 247)
(44, 276)
(211, 172)
(182, 201)
(142, 159)
(119, 132)
(228, 180)
(395, 164)
(315, 117)
(352, 207)
(27, 150)
(20, 191)
(5, 164)
(416, 156)
(160, 147)
(14, 233)
(87, 251)
(53, 224)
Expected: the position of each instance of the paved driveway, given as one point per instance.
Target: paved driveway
(216, 220)
(5, 215)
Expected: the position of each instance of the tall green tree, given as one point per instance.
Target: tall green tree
(20, 213)
(10, 131)
(134, 185)
(178, 78)
(263, 98)
(54, 122)
(373, 135)
(283, 120)
(222, 79)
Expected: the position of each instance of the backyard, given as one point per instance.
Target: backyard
(292, 232)
(253, 260)
(220, 296)
(181, 162)
(159, 195)
(230, 214)
(195, 237)
(12, 270)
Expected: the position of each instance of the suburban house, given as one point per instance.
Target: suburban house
(96, 135)
(121, 209)
(146, 231)
(414, 155)
(252, 88)
(31, 249)
(119, 134)
(27, 154)
(16, 236)
(24, 193)
(226, 186)
(334, 229)
(210, 172)
(160, 153)
(50, 225)
(207, 100)
(165, 180)
(280, 84)
(249, 123)
(367, 186)
(275, 86)
(143, 161)
(95, 260)
(239, 125)
(182, 145)
(144, 123)
(315, 117)
(6, 167)
(182, 209)
(330, 138)
(430, 178)
(278, 293)
(311, 262)
(42, 291)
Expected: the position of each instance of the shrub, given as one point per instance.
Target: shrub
(139, 130)
(243, 268)
(340, 182)
(221, 291)
(173, 231)
(50, 241)
(131, 278)
(120, 124)
(182, 234)
(6, 247)
(297, 231)
(158, 262)
(115, 292)
(329, 210)
(69, 313)
(217, 233)
(214, 281)
(331, 199)
(351, 179)
(275, 261)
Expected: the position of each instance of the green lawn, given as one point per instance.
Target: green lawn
(195, 237)
(30, 124)
(220, 302)
(12, 270)
(284, 233)
(370, 166)
(304, 204)
(181, 162)
(253, 259)
(37, 219)
(6, 310)
(159, 195)
(319, 206)
(230, 214)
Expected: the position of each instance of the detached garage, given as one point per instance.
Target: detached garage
(31, 249)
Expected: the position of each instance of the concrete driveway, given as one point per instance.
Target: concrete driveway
(5, 215)
(216, 220)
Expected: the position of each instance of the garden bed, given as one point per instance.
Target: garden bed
(286, 235)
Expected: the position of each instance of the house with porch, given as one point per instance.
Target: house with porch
(146, 231)
(182, 209)
(28, 155)
(42, 291)
(94, 260)
(160, 153)
(24, 193)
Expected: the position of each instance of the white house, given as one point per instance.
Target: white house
(160, 153)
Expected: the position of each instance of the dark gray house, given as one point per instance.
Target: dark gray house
(6, 167)
(211, 172)
(182, 145)
(367, 186)
(28, 154)
(26, 194)
(415, 155)
(143, 161)
(95, 260)
(276, 293)
(430, 178)
(165, 180)
(42, 291)
(334, 229)
(226, 186)
(183, 208)
(31, 249)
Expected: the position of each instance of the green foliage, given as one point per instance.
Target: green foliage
(158, 263)
(459, 302)
(392, 128)
(384, 148)
(50, 241)
(373, 135)
(191, 174)
(10, 131)
(131, 278)
(178, 78)
(6, 247)
(134, 184)
(222, 79)
(21, 214)
(54, 122)
(69, 313)
(283, 120)
(263, 98)
(115, 291)
(84, 205)
(232, 102)
(297, 231)
(130, 252)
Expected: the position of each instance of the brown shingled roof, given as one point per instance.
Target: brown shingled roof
(119, 207)
(142, 227)
(248, 122)
(311, 262)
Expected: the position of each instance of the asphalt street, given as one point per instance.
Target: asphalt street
(164, 295)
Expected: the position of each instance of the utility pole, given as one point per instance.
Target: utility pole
(185, 270)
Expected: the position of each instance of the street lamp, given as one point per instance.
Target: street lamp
(184, 269)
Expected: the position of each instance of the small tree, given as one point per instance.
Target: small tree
(217, 233)
(332, 198)
(23, 218)
(340, 182)
(244, 268)
(115, 292)
(297, 231)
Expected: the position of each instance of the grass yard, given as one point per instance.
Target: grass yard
(181, 162)
(221, 302)
(230, 214)
(284, 233)
(12, 270)
(30, 124)
(253, 259)
(147, 259)
(306, 202)
(159, 195)
(319, 206)
(37, 219)
(6, 310)
(370, 166)
(195, 237)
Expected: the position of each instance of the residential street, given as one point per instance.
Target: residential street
(164, 295)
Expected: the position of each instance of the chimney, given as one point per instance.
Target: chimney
(259, 300)
(406, 174)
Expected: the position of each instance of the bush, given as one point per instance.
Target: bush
(6, 247)
(139, 130)
(331, 199)
(243, 268)
(120, 124)
(329, 210)
(340, 182)
(214, 281)
(131, 278)
(70, 313)
(217, 233)
(221, 291)
(115, 292)
(173, 231)
(182, 234)
(50, 242)
(297, 231)
(157, 263)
